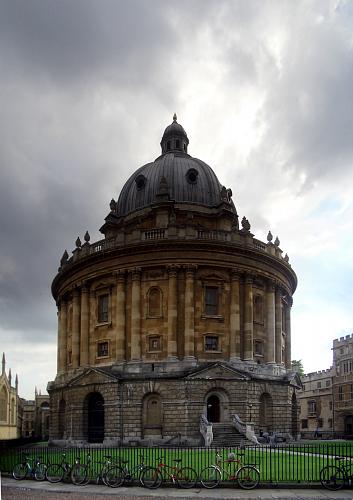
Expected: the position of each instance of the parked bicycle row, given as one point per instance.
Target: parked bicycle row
(115, 473)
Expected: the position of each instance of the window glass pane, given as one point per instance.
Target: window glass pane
(154, 344)
(103, 349)
(211, 300)
(103, 302)
(211, 343)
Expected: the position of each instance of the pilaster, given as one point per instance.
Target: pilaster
(120, 319)
(271, 331)
(136, 314)
(189, 346)
(234, 334)
(248, 318)
(84, 344)
(172, 312)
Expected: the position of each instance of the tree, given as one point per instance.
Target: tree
(297, 366)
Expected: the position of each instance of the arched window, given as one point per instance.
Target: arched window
(13, 411)
(3, 405)
(154, 302)
(258, 309)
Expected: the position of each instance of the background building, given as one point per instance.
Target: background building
(316, 404)
(178, 321)
(9, 405)
(343, 385)
(36, 417)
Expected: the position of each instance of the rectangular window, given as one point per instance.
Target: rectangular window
(340, 393)
(330, 405)
(259, 348)
(102, 349)
(154, 344)
(319, 385)
(320, 422)
(328, 383)
(304, 424)
(103, 304)
(312, 408)
(351, 391)
(211, 343)
(211, 300)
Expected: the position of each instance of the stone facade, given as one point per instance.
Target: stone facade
(343, 385)
(36, 417)
(316, 404)
(176, 314)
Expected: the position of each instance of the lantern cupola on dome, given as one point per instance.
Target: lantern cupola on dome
(174, 138)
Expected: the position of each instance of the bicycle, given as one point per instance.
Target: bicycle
(119, 474)
(247, 476)
(83, 473)
(334, 477)
(185, 477)
(23, 469)
(56, 472)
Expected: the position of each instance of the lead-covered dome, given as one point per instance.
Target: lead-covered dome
(176, 175)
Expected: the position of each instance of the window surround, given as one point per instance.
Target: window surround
(259, 343)
(210, 335)
(101, 292)
(157, 341)
(221, 298)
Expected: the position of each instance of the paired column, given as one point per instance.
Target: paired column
(288, 353)
(62, 336)
(136, 315)
(189, 346)
(84, 344)
(278, 307)
(234, 336)
(120, 317)
(76, 328)
(271, 323)
(172, 312)
(248, 318)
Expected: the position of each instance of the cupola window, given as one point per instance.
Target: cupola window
(140, 182)
(177, 144)
(191, 175)
(168, 145)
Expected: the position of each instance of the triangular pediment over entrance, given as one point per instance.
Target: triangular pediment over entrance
(92, 376)
(218, 371)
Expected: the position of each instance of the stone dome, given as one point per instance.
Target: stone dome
(176, 175)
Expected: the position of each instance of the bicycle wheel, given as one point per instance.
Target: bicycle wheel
(248, 477)
(54, 473)
(151, 478)
(79, 474)
(114, 477)
(20, 471)
(186, 477)
(40, 472)
(332, 477)
(210, 477)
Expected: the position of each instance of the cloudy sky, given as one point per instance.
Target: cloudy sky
(264, 90)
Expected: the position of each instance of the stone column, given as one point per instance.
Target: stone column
(278, 312)
(288, 352)
(120, 318)
(189, 346)
(92, 350)
(76, 328)
(172, 313)
(271, 330)
(62, 336)
(248, 319)
(234, 334)
(84, 345)
(136, 315)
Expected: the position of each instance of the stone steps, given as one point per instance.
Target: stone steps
(225, 435)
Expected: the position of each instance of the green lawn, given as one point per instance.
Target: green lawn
(291, 463)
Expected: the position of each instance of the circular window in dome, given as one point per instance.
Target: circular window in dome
(140, 182)
(191, 175)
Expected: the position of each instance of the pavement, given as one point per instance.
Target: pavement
(29, 489)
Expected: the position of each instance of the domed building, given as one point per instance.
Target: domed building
(176, 325)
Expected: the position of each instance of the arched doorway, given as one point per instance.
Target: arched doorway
(266, 412)
(95, 417)
(348, 424)
(213, 408)
(152, 415)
